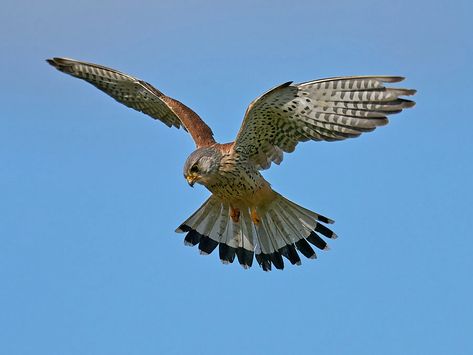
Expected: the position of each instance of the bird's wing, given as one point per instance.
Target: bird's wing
(321, 110)
(138, 95)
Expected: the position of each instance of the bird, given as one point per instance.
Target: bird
(244, 217)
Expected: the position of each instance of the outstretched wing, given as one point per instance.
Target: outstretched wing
(321, 110)
(138, 95)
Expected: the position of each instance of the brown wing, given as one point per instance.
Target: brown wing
(328, 109)
(138, 95)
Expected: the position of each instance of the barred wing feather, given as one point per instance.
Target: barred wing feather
(322, 110)
(139, 95)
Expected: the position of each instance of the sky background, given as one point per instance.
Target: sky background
(92, 191)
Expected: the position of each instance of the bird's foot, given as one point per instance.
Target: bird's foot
(255, 217)
(235, 214)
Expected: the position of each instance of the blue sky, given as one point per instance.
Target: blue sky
(91, 191)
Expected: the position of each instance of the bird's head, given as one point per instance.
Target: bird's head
(202, 166)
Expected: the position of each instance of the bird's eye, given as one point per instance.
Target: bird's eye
(195, 169)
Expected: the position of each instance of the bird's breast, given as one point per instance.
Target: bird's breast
(240, 184)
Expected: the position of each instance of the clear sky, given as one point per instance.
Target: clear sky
(91, 191)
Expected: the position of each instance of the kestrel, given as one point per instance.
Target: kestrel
(244, 216)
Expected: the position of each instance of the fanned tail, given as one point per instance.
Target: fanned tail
(284, 230)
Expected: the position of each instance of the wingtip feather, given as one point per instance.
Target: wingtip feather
(61, 64)
(392, 79)
(409, 103)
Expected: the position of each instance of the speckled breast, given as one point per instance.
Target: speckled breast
(236, 180)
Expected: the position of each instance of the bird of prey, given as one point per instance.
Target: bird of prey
(244, 216)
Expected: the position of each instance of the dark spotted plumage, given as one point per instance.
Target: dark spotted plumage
(139, 95)
(329, 109)
(245, 217)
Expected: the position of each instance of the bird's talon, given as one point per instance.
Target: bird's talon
(235, 214)
(255, 217)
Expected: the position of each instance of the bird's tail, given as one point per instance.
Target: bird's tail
(284, 228)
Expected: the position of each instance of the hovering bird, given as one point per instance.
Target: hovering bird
(244, 216)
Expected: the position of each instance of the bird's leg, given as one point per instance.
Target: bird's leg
(254, 216)
(234, 214)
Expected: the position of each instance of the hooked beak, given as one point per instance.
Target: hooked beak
(191, 180)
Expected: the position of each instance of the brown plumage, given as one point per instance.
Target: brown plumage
(245, 216)
(140, 96)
